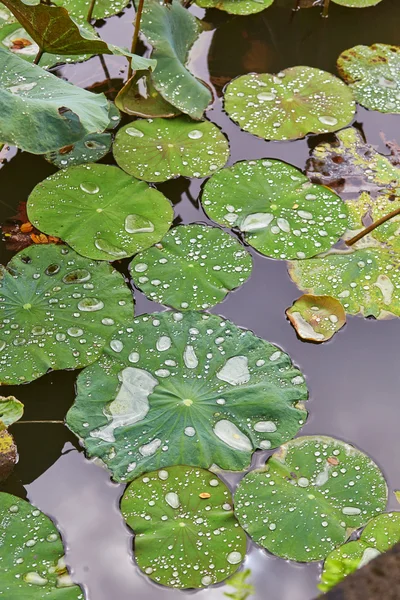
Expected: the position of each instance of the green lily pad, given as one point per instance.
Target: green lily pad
(357, 3)
(6, 16)
(372, 73)
(40, 113)
(379, 536)
(101, 212)
(11, 410)
(279, 211)
(32, 554)
(172, 30)
(193, 267)
(160, 149)
(316, 318)
(288, 106)
(309, 497)
(78, 9)
(134, 100)
(57, 311)
(188, 388)
(236, 7)
(169, 510)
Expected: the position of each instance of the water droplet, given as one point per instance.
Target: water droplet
(172, 499)
(108, 248)
(141, 267)
(265, 426)
(116, 345)
(134, 357)
(75, 331)
(328, 120)
(133, 132)
(89, 187)
(206, 580)
(90, 305)
(234, 558)
(163, 343)
(351, 510)
(150, 448)
(303, 482)
(77, 276)
(190, 431)
(195, 134)
(163, 475)
(52, 269)
(138, 224)
(266, 96)
(35, 579)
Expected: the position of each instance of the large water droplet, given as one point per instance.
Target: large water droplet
(77, 276)
(75, 331)
(195, 134)
(234, 558)
(89, 187)
(266, 96)
(172, 499)
(328, 120)
(108, 248)
(138, 224)
(52, 269)
(133, 132)
(90, 304)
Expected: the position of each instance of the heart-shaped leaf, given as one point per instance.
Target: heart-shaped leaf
(236, 7)
(379, 536)
(172, 31)
(79, 9)
(316, 318)
(40, 113)
(280, 212)
(309, 497)
(186, 535)
(57, 311)
(193, 267)
(11, 410)
(372, 73)
(160, 149)
(287, 106)
(32, 554)
(100, 211)
(188, 388)
(147, 102)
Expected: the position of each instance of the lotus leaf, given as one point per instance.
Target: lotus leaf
(236, 7)
(193, 267)
(57, 311)
(357, 3)
(279, 211)
(143, 103)
(316, 318)
(6, 16)
(160, 149)
(169, 510)
(311, 494)
(190, 388)
(79, 9)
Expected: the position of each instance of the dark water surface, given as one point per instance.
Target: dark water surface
(354, 379)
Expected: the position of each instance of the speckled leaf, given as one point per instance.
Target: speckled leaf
(186, 535)
(100, 211)
(194, 267)
(289, 105)
(79, 9)
(357, 3)
(32, 555)
(160, 149)
(309, 497)
(236, 7)
(186, 388)
(40, 112)
(172, 30)
(57, 311)
(373, 74)
(11, 410)
(143, 101)
(316, 318)
(280, 212)
(380, 535)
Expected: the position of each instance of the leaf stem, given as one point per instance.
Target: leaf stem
(38, 57)
(34, 422)
(326, 8)
(374, 225)
(90, 11)
(135, 34)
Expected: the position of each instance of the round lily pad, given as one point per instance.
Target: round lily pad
(32, 554)
(11, 410)
(190, 388)
(186, 535)
(287, 106)
(309, 497)
(236, 7)
(193, 267)
(160, 149)
(357, 3)
(379, 535)
(372, 72)
(316, 318)
(57, 311)
(279, 211)
(100, 211)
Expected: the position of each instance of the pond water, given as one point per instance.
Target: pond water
(353, 380)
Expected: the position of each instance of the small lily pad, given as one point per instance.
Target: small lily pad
(193, 267)
(279, 211)
(11, 410)
(372, 73)
(186, 535)
(288, 106)
(100, 211)
(357, 3)
(190, 388)
(32, 554)
(236, 7)
(316, 318)
(140, 98)
(311, 494)
(57, 311)
(160, 149)
(379, 536)
(78, 9)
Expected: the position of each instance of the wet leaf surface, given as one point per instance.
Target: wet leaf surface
(63, 317)
(79, 9)
(188, 388)
(236, 7)
(186, 535)
(193, 267)
(309, 497)
(279, 211)
(316, 318)
(11, 410)
(357, 3)
(140, 98)
(100, 211)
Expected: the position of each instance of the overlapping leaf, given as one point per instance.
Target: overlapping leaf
(316, 318)
(147, 102)
(236, 7)
(357, 3)
(79, 9)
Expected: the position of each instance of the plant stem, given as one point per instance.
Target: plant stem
(34, 422)
(326, 8)
(90, 11)
(136, 34)
(370, 228)
(38, 57)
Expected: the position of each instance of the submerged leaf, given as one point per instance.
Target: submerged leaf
(193, 267)
(239, 582)
(160, 149)
(236, 7)
(280, 212)
(100, 211)
(32, 554)
(188, 388)
(57, 311)
(184, 505)
(11, 410)
(287, 106)
(316, 318)
(311, 494)
(140, 98)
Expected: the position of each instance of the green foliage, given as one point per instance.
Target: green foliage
(357, 3)
(11, 410)
(78, 9)
(316, 318)
(243, 589)
(236, 7)
(143, 103)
